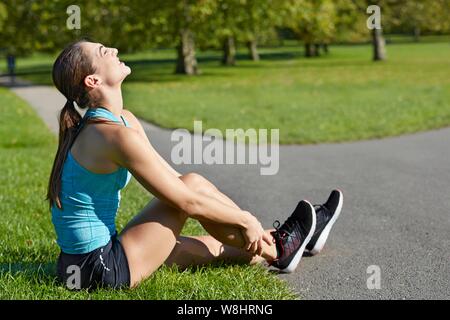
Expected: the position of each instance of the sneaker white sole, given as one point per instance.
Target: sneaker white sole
(320, 243)
(298, 256)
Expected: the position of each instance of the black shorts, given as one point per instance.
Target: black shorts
(106, 266)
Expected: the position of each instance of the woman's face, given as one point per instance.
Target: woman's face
(108, 67)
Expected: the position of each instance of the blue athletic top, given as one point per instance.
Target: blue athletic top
(89, 200)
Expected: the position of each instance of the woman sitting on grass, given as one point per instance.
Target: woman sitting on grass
(96, 156)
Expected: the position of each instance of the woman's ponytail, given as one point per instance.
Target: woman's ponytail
(69, 119)
(69, 71)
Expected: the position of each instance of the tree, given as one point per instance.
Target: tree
(312, 21)
(183, 20)
(23, 30)
(177, 23)
(378, 41)
(3, 14)
(240, 21)
(259, 18)
(418, 16)
(225, 27)
(350, 22)
(117, 23)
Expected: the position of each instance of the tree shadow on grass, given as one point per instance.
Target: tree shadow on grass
(48, 268)
(26, 78)
(162, 69)
(157, 70)
(36, 273)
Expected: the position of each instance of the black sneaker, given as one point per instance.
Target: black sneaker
(327, 215)
(291, 238)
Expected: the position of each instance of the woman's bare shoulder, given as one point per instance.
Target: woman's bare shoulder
(126, 145)
(130, 116)
(134, 122)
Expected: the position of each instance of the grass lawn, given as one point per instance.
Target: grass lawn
(338, 97)
(28, 250)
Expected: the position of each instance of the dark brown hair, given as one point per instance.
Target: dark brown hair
(69, 71)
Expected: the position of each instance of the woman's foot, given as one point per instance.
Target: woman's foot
(327, 215)
(293, 236)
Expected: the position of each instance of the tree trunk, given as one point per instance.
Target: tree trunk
(316, 49)
(379, 50)
(309, 50)
(229, 52)
(253, 50)
(416, 34)
(325, 48)
(186, 60)
(11, 62)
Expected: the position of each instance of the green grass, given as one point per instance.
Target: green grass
(342, 96)
(401, 38)
(28, 250)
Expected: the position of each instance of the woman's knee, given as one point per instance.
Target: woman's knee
(198, 183)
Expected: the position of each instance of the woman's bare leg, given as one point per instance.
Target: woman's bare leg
(153, 237)
(150, 237)
(225, 242)
(225, 234)
(234, 237)
(200, 250)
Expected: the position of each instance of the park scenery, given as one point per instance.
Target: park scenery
(348, 94)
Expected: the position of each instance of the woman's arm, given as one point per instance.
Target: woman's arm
(131, 118)
(134, 152)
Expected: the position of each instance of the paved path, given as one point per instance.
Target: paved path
(396, 211)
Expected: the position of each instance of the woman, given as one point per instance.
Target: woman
(96, 156)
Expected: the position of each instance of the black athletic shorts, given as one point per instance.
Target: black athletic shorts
(106, 266)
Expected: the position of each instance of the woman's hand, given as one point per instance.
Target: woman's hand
(254, 235)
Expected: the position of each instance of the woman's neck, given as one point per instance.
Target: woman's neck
(112, 100)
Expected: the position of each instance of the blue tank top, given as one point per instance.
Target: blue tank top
(89, 200)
